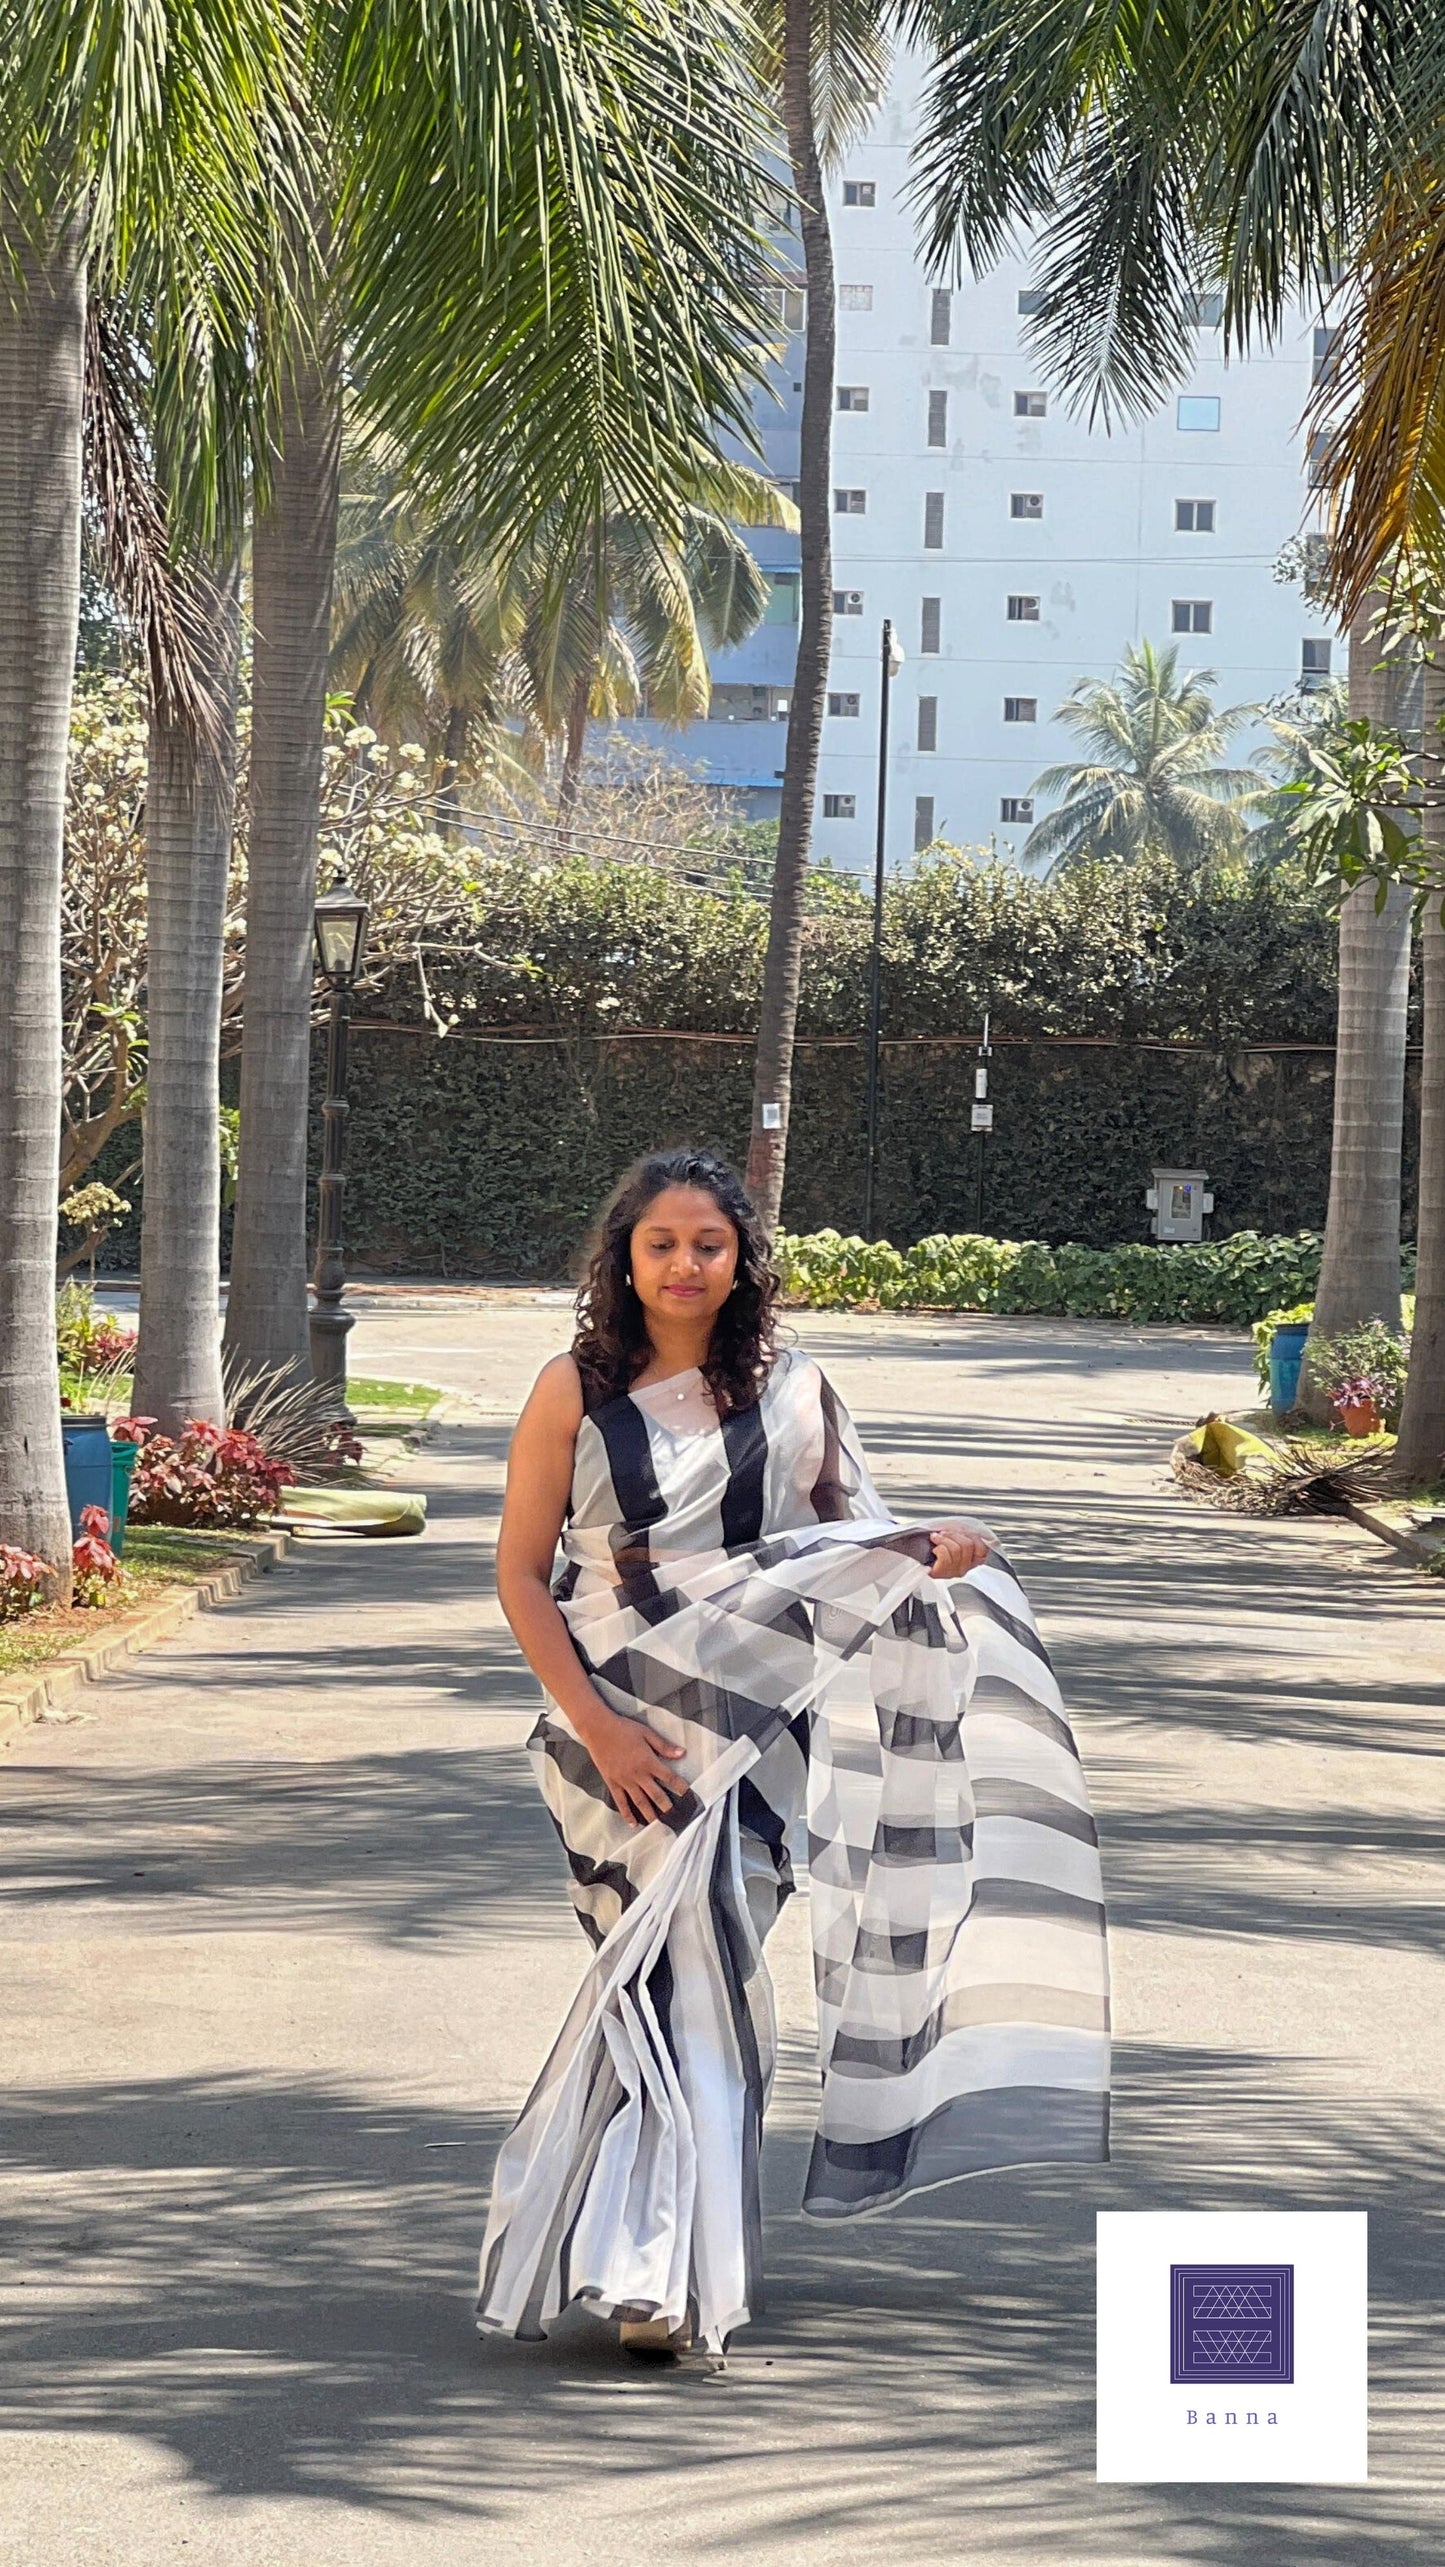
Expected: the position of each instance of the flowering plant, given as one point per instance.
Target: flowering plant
(85, 1338)
(1364, 1364)
(96, 1567)
(22, 1582)
(213, 1475)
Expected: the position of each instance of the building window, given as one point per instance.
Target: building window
(855, 298)
(922, 822)
(1198, 412)
(852, 396)
(1193, 516)
(859, 191)
(938, 418)
(1017, 808)
(1192, 615)
(928, 721)
(1031, 405)
(930, 624)
(1206, 311)
(933, 521)
(749, 704)
(843, 707)
(1023, 610)
(1317, 460)
(1314, 666)
(847, 601)
(1031, 300)
(840, 806)
(850, 503)
(940, 323)
(1326, 346)
(1021, 708)
(1026, 503)
(786, 304)
(782, 605)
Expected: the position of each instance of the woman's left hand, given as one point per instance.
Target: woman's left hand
(957, 1548)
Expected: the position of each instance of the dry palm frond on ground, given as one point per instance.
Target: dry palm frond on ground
(1255, 1478)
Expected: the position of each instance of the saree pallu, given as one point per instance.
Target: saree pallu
(741, 1586)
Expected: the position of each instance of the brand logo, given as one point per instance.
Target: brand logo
(1231, 2323)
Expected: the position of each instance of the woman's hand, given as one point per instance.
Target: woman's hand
(958, 1547)
(633, 1762)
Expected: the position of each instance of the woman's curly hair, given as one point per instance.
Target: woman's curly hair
(612, 1344)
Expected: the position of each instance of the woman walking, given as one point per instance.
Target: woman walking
(743, 1631)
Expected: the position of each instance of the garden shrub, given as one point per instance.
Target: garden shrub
(212, 1475)
(1227, 1280)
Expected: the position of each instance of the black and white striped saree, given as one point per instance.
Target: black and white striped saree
(742, 1587)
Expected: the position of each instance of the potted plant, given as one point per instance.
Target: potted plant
(1362, 1372)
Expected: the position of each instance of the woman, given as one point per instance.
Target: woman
(742, 1630)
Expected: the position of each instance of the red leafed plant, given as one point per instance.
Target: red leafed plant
(22, 1582)
(213, 1475)
(97, 1569)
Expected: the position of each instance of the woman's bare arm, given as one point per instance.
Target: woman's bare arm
(628, 1755)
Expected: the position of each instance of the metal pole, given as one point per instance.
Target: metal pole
(875, 970)
(330, 1323)
(985, 1050)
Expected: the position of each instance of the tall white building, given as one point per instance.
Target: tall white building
(1014, 549)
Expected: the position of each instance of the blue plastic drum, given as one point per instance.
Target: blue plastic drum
(1286, 1354)
(87, 1466)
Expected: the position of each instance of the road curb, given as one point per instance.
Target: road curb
(53, 1683)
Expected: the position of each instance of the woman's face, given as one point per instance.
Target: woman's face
(684, 1255)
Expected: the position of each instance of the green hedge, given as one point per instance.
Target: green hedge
(1235, 1279)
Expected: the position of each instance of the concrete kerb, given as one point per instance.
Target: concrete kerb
(52, 1683)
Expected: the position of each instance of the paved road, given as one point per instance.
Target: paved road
(286, 1942)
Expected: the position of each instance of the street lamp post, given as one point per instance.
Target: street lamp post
(891, 663)
(341, 918)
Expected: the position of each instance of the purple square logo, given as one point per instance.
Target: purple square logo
(1231, 2322)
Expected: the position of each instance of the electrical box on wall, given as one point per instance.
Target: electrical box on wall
(1178, 1201)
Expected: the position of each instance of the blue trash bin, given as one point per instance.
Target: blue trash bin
(87, 1466)
(1286, 1354)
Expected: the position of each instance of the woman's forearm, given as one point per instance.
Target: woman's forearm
(547, 1645)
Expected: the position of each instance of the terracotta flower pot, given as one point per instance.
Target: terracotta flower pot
(1359, 1416)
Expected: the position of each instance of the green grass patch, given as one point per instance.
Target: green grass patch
(156, 1557)
(412, 1399)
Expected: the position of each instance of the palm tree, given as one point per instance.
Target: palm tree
(1282, 155)
(152, 107)
(830, 59)
(437, 642)
(541, 237)
(1151, 779)
(1420, 1448)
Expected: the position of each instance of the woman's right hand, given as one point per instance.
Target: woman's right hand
(633, 1762)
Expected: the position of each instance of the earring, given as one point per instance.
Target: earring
(627, 1278)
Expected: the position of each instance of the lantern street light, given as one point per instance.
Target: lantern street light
(341, 917)
(892, 662)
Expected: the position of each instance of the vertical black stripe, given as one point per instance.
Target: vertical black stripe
(828, 1497)
(745, 1438)
(735, 1958)
(640, 1502)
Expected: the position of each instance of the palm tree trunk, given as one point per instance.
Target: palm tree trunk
(782, 967)
(42, 360)
(293, 552)
(190, 794)
(449, 796)
(1360, 1268)
(576, 748)
(1420, 1451)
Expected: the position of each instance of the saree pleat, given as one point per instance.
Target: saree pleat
(745, 1591)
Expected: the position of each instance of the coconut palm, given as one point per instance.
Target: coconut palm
(95, 135)
(540, 244)
(1151, 779)
(440, 642)
(1280, 155)
(829, 60)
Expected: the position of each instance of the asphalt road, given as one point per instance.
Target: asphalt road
(286, 1941)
